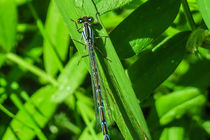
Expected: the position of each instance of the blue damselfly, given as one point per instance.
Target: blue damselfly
(88, 37)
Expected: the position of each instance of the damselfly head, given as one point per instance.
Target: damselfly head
(85, 19)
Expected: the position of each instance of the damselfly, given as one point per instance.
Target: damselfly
(88, 37)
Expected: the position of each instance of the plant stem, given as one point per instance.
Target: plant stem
(31, 68)
(188, 14)
(10, 114)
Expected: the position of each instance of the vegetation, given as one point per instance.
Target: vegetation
(154, 62)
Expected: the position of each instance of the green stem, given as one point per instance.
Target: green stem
(26, 28)
(188, 14)
(35, 70)
(11, 115)
(6, 111)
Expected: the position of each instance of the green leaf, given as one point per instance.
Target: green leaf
(153, 67)
(59, 37)
(206, 126)
(204, 6)
(70, 79)
(8, 24)
(144, 25)
(172, 133)
(174, 105)
(125, 108)
(104, 6)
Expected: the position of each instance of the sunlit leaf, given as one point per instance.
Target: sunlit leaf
(57, 31)
(204, 7)
(8, 24)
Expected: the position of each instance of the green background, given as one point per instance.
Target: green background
(154, 64)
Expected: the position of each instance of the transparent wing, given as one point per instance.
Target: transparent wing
(106, 103)
(98, 128)
(104, 97)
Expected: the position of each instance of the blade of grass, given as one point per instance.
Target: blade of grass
(69, 83)
(173, 133)
(127, 113)
(8, 27)
(45, 34)
(204, 7)
(8, 24)
(57, 32)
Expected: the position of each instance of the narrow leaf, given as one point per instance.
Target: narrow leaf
(70, 79)
(172, 133)
(204, 6)
(58, 34)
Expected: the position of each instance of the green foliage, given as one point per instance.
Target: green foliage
(7, 27)
(105, 6)
(150, 72)
(204, 9)
(155, 77)
(8, 24)
(59, 41)
(134, 28)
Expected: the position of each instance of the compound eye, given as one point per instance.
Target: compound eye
(80, 20)
(90, 19)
